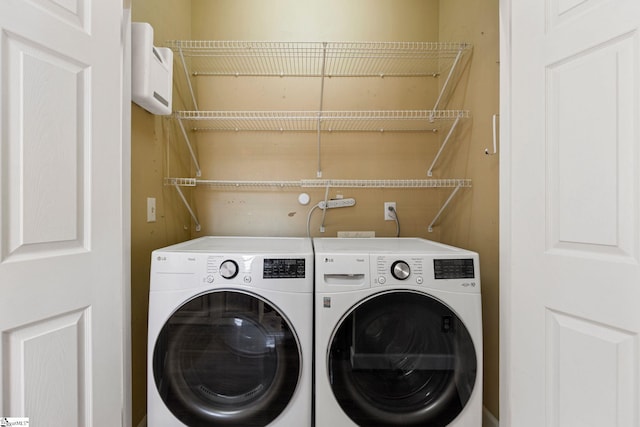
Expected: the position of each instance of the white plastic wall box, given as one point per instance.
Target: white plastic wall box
(151, 71)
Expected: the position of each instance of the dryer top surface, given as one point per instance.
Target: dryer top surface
(391, 245)
(244, 245)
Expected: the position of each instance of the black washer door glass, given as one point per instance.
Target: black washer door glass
(402, 359)
(226, 358)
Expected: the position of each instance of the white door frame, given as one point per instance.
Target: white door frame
(126, 204)
(505, 209)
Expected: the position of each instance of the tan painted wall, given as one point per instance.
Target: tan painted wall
(315, 20)
(289, 156)
(472, 222)
(152, 159)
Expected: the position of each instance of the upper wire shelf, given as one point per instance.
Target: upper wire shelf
(326, 121)
(330, 59)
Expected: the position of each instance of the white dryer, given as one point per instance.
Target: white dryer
(231, 333)
(398, 334)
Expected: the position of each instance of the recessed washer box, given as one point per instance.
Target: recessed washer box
(151, 71)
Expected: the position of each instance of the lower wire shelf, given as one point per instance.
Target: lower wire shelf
(455, 183)
(322, 183)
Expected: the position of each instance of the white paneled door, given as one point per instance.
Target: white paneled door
(571, 213)
(62, 212)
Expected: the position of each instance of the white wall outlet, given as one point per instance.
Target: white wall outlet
(151, 209)
(389, 211)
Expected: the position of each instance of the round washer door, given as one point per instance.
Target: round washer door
(227, 358)
(402, 358)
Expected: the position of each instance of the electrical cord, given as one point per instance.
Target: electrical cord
(324, 211)
(309, 219)
(327, 204)
(395, 217)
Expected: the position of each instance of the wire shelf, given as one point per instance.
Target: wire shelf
(323, 183)
(387, 183)
(313, 59)
(325, 121)
(323, 60)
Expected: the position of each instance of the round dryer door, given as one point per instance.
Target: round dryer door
(402, 358)
(227, 358)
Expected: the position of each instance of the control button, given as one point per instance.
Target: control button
(210, 279)
(247, 279)
(382, 280)
(229, 269)
(419, 280)
(400, 270)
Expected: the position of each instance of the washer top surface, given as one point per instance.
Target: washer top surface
(244, 245)
(390, 245)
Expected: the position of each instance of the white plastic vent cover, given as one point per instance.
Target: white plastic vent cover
(151, 71)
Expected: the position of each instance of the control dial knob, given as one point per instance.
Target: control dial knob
(400, 270)
(229, 269)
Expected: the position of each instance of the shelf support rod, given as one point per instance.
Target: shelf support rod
(186, 204)
(446, 139)
(319, 123)
(186, 75)
(193, 155)
(449, 76)
(446, 203)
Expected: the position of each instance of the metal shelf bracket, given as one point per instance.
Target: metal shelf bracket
(449, 77)
(444, 206)
(194, 158)
(446, 139)
(186, 204)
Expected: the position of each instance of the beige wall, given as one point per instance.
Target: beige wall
(315, 20)
(471, 220)
(152, 159)
(293, 156)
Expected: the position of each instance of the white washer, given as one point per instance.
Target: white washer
(231, 333)
(398, 334)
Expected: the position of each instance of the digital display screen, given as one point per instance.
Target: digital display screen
(284, 268)
(453, 268)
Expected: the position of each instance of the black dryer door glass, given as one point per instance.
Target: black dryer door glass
(227, 358)
(402, 358)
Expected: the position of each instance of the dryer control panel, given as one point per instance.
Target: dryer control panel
(409, 270)
(461, 268)
(421, 270)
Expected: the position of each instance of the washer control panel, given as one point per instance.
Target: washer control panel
(221, 269)
(279, 265)
(283, 268)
